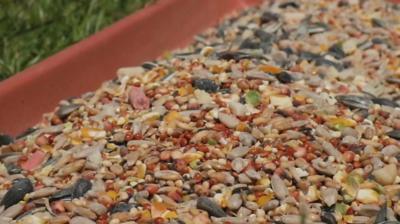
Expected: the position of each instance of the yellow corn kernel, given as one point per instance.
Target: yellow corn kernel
(170, 215)
(216, 69)
(185, 90)
(261, 201)
(145, 214)
(264, 181)
(251, 197)
(189, 157)
(141, 171)
(242, 127)
(113, 194)
(270, 69)
(340, 122)
(172, 117)
(323, 47)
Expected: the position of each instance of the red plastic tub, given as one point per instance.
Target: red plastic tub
(165, 25)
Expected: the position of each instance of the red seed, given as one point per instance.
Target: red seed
(152, 188)
(128, 136)
(159, 220)
(169, 104)
(108, 126)
(181, 166)
(175, 196)
(357, 164)
(197, 178)
(348, 156)
(202, 148)
(310, 156)
(296, 195)
(183, 141)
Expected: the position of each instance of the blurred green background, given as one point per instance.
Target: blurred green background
(31, 30)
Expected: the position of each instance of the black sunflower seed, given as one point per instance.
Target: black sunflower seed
(121, 207)
(377, 40)
(353, 101)
(232, 55)
(292, 4)
(5, 139)
(284, 77)
(206, 85)
(337, 51)
(81, 187)
(149, 65)
(390, 222)
(393, 80)
(394, 134)
(212, 208)
(378, 23)
(267, 17)
(309, 56)
(17, 192)
(239, 190)
(343, 3)
(385, 102)
(265, 36)
(328, 218)
(26, 133)
(66, 110)
(64, 193)
(12, 168)
(382, 215)
(326, 62)
(249, 44)
(315, 28)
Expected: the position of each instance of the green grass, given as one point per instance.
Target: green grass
(31, 30)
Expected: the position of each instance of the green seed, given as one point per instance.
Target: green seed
(253, 98)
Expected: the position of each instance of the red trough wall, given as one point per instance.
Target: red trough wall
(165, 25)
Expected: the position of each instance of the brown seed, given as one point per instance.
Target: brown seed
(279, 187)
(43, 192)
(59, 219)
(165, 155)
(85, 212)
(243, 84)
(132, 157)
(42, 140)
(385, 175)
(13, 211)
(169, 104)
(193, 106)
(122, 216)
(71, 167)
(167, 175)
(81, 220)
(117, 169)
(98, 208)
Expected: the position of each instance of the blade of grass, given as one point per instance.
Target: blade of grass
(35, 29)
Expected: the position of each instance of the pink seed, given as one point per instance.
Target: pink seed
(300, 152)
(34, 160)
(138, 98)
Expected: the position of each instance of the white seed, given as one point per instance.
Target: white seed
(385, 175)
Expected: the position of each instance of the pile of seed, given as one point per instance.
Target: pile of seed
(286, 113)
